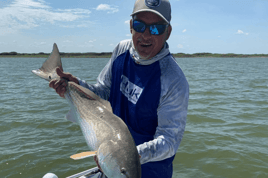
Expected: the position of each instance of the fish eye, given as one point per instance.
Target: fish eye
(49, 77)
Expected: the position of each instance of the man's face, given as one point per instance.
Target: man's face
(148, 45)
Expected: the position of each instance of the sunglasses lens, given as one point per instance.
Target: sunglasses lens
(154, 29)
(138, 26)
(157, 29)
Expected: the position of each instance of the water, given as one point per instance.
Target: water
(226, 133)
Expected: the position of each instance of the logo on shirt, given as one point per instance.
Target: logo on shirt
(130, 90)
(152, 3)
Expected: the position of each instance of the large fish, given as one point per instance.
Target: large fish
(105, 133)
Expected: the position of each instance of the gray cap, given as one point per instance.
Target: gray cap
(159, 7)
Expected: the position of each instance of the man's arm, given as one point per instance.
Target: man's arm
(172, 113)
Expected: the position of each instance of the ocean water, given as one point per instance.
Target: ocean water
(226, 134)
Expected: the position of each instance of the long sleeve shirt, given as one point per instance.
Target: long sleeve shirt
(151, 96)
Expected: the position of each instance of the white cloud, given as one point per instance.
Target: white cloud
(127, 22)
(180, 46)
(38, 44)
(28, 14)
(241, 32)
(91, 41)
(183, 31)
(128, 34)
(108, 8)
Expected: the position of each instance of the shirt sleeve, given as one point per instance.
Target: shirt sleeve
(172, 113)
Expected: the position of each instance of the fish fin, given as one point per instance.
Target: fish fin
(48, 69)
(83, 155)
(53, 61)
(71, 116)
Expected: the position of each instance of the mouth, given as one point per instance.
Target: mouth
(145, 45)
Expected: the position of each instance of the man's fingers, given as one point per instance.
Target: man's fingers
(59, 83)
(62, 74)
(52, 83)
(59, 71)
(67, 76)
(97, 162)
(61, 90)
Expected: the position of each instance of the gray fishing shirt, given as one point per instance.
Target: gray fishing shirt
(151, 96)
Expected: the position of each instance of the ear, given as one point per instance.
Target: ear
(130, 25)
(169, 31)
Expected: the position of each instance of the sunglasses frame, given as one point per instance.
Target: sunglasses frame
(146, 26)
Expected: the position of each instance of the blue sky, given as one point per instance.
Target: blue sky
(215, 26)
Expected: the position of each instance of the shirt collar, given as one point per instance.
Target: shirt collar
(135, 56)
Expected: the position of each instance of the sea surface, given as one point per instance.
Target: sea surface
(226, 133)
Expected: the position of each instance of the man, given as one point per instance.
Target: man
(146, 88)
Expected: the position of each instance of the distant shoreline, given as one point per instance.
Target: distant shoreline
(109, 54)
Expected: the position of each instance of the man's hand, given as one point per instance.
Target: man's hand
(97, 162)
(60, 85)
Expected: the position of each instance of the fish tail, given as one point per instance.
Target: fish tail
(48, 69)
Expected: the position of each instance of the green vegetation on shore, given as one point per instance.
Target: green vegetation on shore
(63, 55)
(229, 55)
(108, 55)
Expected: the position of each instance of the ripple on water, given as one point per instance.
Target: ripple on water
(225, 134)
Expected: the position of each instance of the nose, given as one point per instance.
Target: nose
(146, 34)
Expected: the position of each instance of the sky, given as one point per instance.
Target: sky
(214, 26)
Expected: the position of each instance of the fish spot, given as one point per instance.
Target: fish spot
(118, 136)
(100, 109)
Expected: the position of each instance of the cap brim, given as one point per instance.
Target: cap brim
(150, 10)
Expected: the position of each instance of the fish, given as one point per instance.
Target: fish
(106, 135)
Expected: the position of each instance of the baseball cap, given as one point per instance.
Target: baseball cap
(159, 7)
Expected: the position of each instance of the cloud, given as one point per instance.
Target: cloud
(180, 46)
(35, 44)
(128, 34)
(108, 8)
(91, 41)
(67, 41)
(183, 31)
(127, 22)
(28, 14)
(241, 32)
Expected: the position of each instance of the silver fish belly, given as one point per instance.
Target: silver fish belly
(104, 132)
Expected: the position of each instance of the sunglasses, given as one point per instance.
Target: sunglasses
(155, 29)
